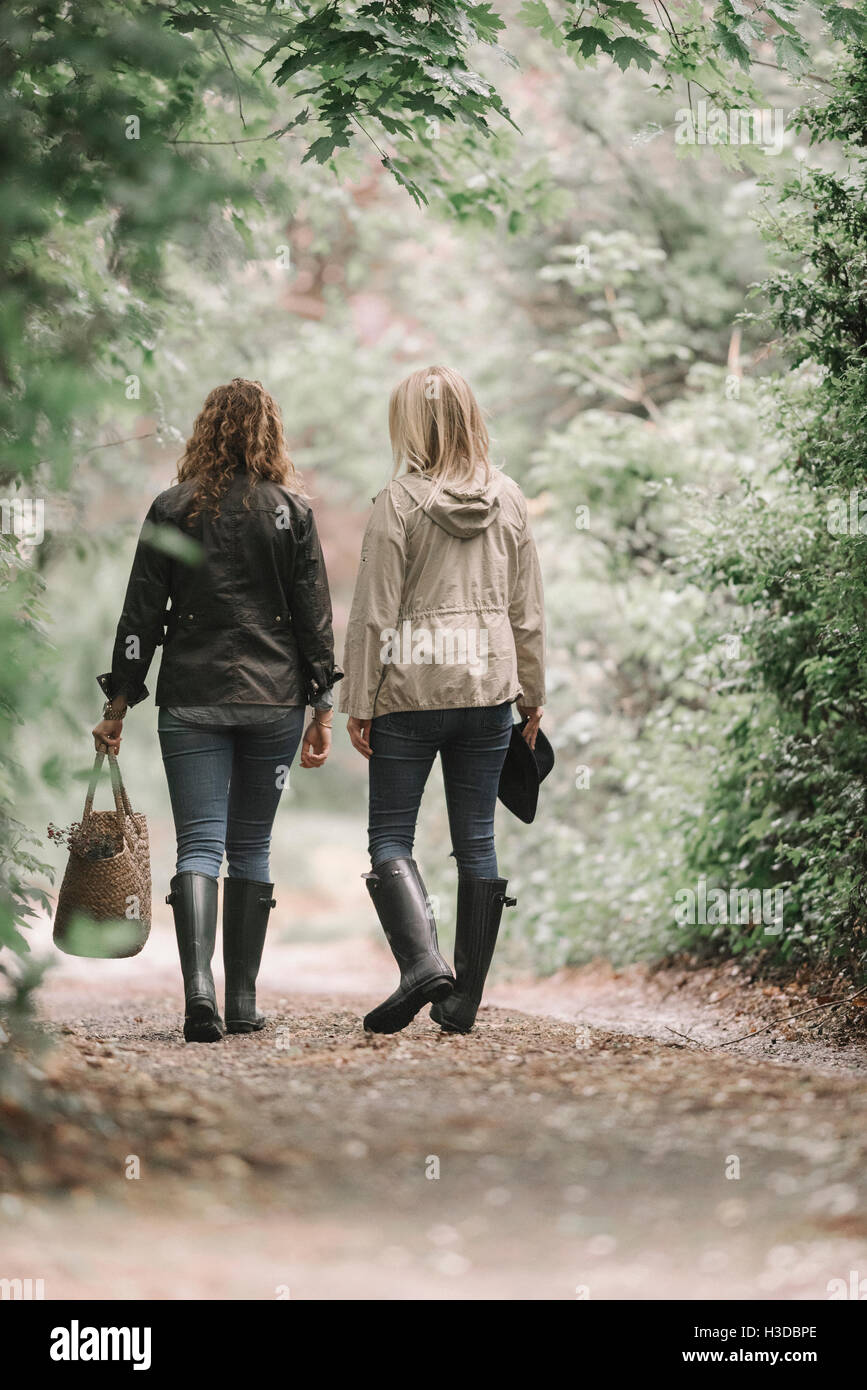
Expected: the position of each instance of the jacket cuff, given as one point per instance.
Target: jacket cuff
(320, 679)
(112, 687)
(354, 705)
(535, 698)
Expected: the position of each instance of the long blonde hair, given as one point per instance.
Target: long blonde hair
(437, 428)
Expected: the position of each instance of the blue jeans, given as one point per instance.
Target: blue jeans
(472, 744)
(225, 783)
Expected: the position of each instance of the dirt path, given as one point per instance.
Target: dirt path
(542, 1157)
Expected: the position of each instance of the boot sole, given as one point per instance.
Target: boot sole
(202, 1023)
(403, 1013)
(241, 1026)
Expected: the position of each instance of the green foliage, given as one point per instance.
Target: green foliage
(400, 66)
(788, 798)
(21, 635)
(679, 45)
(655, 432)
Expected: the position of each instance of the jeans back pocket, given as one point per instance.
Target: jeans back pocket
(496, 717)
(412, 723)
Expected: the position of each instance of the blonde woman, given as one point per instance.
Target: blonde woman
(446, 632)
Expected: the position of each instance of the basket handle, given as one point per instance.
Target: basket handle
(121, 800)
(117, 783)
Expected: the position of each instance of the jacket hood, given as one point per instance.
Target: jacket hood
(461, 511)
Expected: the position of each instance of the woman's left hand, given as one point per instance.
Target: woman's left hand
(316, 745)
(533, 715)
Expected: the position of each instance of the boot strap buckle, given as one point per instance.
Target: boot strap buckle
(509, 902)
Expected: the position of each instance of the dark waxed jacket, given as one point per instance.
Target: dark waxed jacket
(239, 601)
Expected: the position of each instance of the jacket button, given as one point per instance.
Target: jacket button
(278, 619)
(190, 615)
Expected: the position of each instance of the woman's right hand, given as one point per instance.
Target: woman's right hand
(359, 735)
(533, 715)
(107, 735)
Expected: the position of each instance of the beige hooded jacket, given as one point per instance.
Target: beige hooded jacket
(448, 608)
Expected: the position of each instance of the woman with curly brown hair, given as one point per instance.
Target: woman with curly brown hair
(229, 578)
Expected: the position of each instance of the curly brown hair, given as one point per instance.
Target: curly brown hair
(239, 425)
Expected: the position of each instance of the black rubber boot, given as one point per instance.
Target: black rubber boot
(402, 905)
(193, 900)
(246, 909)
(480, 907)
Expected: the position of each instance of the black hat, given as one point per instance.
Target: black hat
(523, 770)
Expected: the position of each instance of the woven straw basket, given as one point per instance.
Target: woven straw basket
(104, 904)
